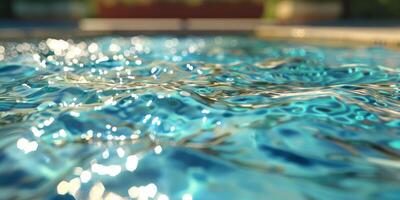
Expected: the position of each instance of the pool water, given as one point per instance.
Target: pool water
(198, 117)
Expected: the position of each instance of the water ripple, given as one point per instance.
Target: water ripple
(222, 117)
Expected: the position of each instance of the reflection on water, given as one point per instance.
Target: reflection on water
(227, 117)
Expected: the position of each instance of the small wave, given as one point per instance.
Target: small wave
(224, 117)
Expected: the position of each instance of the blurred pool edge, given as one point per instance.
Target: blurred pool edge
(330, 34)
(370, 36)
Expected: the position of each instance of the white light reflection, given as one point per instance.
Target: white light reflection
(184, 93)
(133, 192)
(36, 132)
(131, 163)
(138, 62)
(120, 152)
(48, 121)
(62, 133)
(204, 119)
(57, 45)
(156, 121)
(97, 191)
(93, 47)
(163, 197)
(62, 187)
(110, 170)
(74, 114)
(189, 67)
(205, 111)
(151, 190)
(114, 47)
(27, 146)
(113, 196)
(143, 192)
(146, 117)
(106, 154)
(70, 187)
(74, 186)
(158, 149)
(187, 197)
(85, 176)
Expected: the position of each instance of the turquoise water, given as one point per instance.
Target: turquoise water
(217, 117)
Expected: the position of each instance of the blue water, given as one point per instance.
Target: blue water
(217, 117)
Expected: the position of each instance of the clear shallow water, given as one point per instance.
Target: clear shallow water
(228, 117)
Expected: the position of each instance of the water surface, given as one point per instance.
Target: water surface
(216, 117)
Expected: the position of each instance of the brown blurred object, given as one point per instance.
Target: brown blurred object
(306, 10)
(225, 9)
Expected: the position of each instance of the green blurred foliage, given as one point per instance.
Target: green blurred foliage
(369, 9)
(5, 11)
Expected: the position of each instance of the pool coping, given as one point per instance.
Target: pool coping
(383, 36)
(332, 35)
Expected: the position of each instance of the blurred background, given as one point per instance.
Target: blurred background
(23, 14)
(281, 10)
